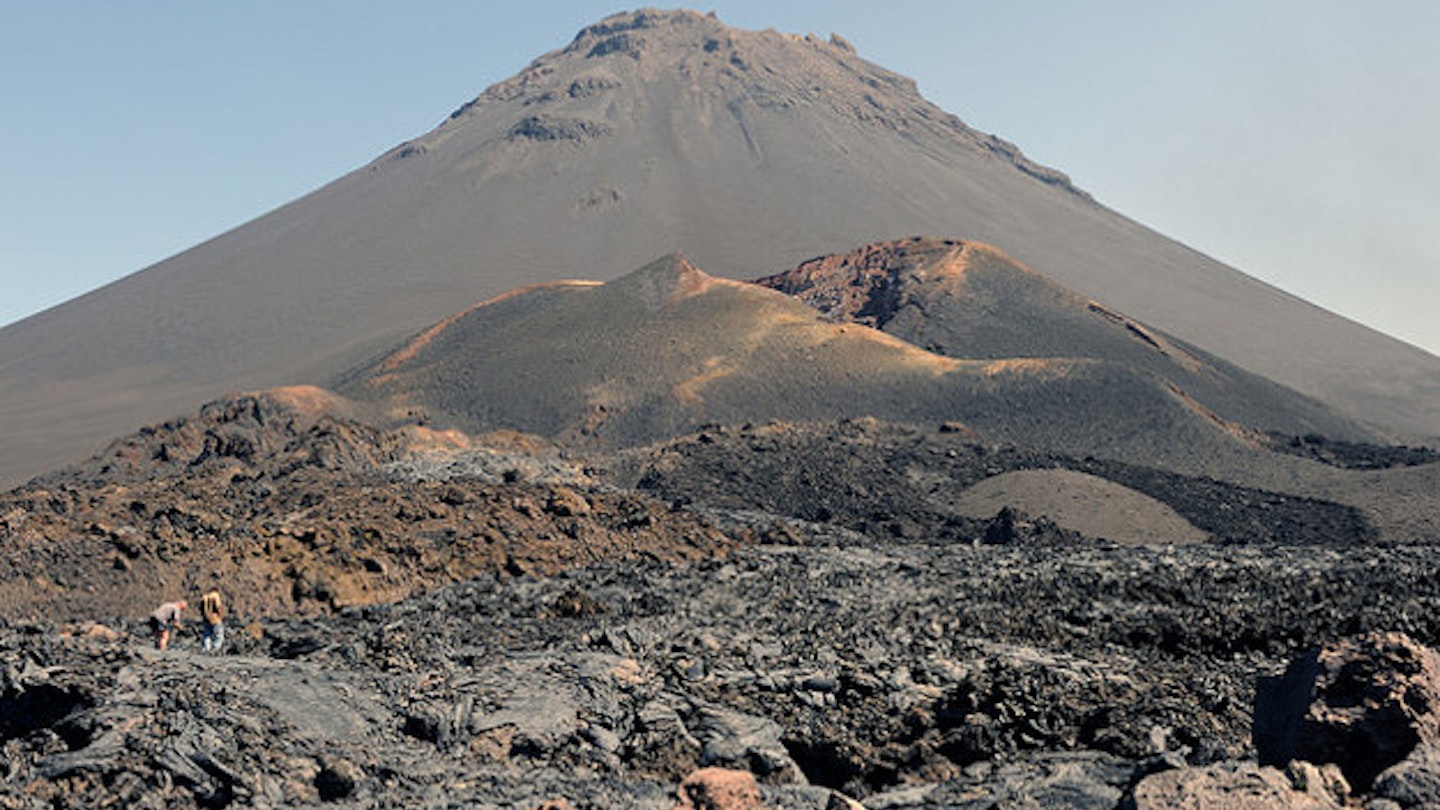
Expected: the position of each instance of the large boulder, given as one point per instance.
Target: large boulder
(719, 789)
(1364, 703)
(732, 739)
(1240, 786)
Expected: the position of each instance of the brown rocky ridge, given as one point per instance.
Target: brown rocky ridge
(293, 508)
(669, 349)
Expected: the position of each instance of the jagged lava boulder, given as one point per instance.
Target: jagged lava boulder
(1240, 786)
(1364, 703)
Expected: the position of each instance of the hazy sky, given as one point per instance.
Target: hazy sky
(1298, 140)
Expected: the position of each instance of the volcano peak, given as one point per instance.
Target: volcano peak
(663, 281)
(650, 132)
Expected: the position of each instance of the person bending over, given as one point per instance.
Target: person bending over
(165, 619)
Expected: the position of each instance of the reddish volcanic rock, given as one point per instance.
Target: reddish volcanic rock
(719, 789)
(293, 509)
(866, 285)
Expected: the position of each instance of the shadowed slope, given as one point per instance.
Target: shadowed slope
(650, 132)
(668, 348)
(917, 481)
(969, 300)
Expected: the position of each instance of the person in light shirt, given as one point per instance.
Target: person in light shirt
(165, 619)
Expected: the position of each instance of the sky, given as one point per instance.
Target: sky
(1297, 140)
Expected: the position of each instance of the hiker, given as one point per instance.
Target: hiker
(163, 620)
(212, 622)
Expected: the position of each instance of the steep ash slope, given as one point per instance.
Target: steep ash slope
(650, 132)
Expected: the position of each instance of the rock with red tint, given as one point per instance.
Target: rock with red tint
(1364, 703)
(719, 789)
(871, 284)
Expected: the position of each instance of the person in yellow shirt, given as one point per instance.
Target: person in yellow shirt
(212, 622)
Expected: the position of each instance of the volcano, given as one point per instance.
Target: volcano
(971, 301)
(667, 349)
(649, 133)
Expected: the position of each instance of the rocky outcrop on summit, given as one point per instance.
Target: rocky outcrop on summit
(971, 301)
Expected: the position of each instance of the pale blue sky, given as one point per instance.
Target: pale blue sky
(1298, 140)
